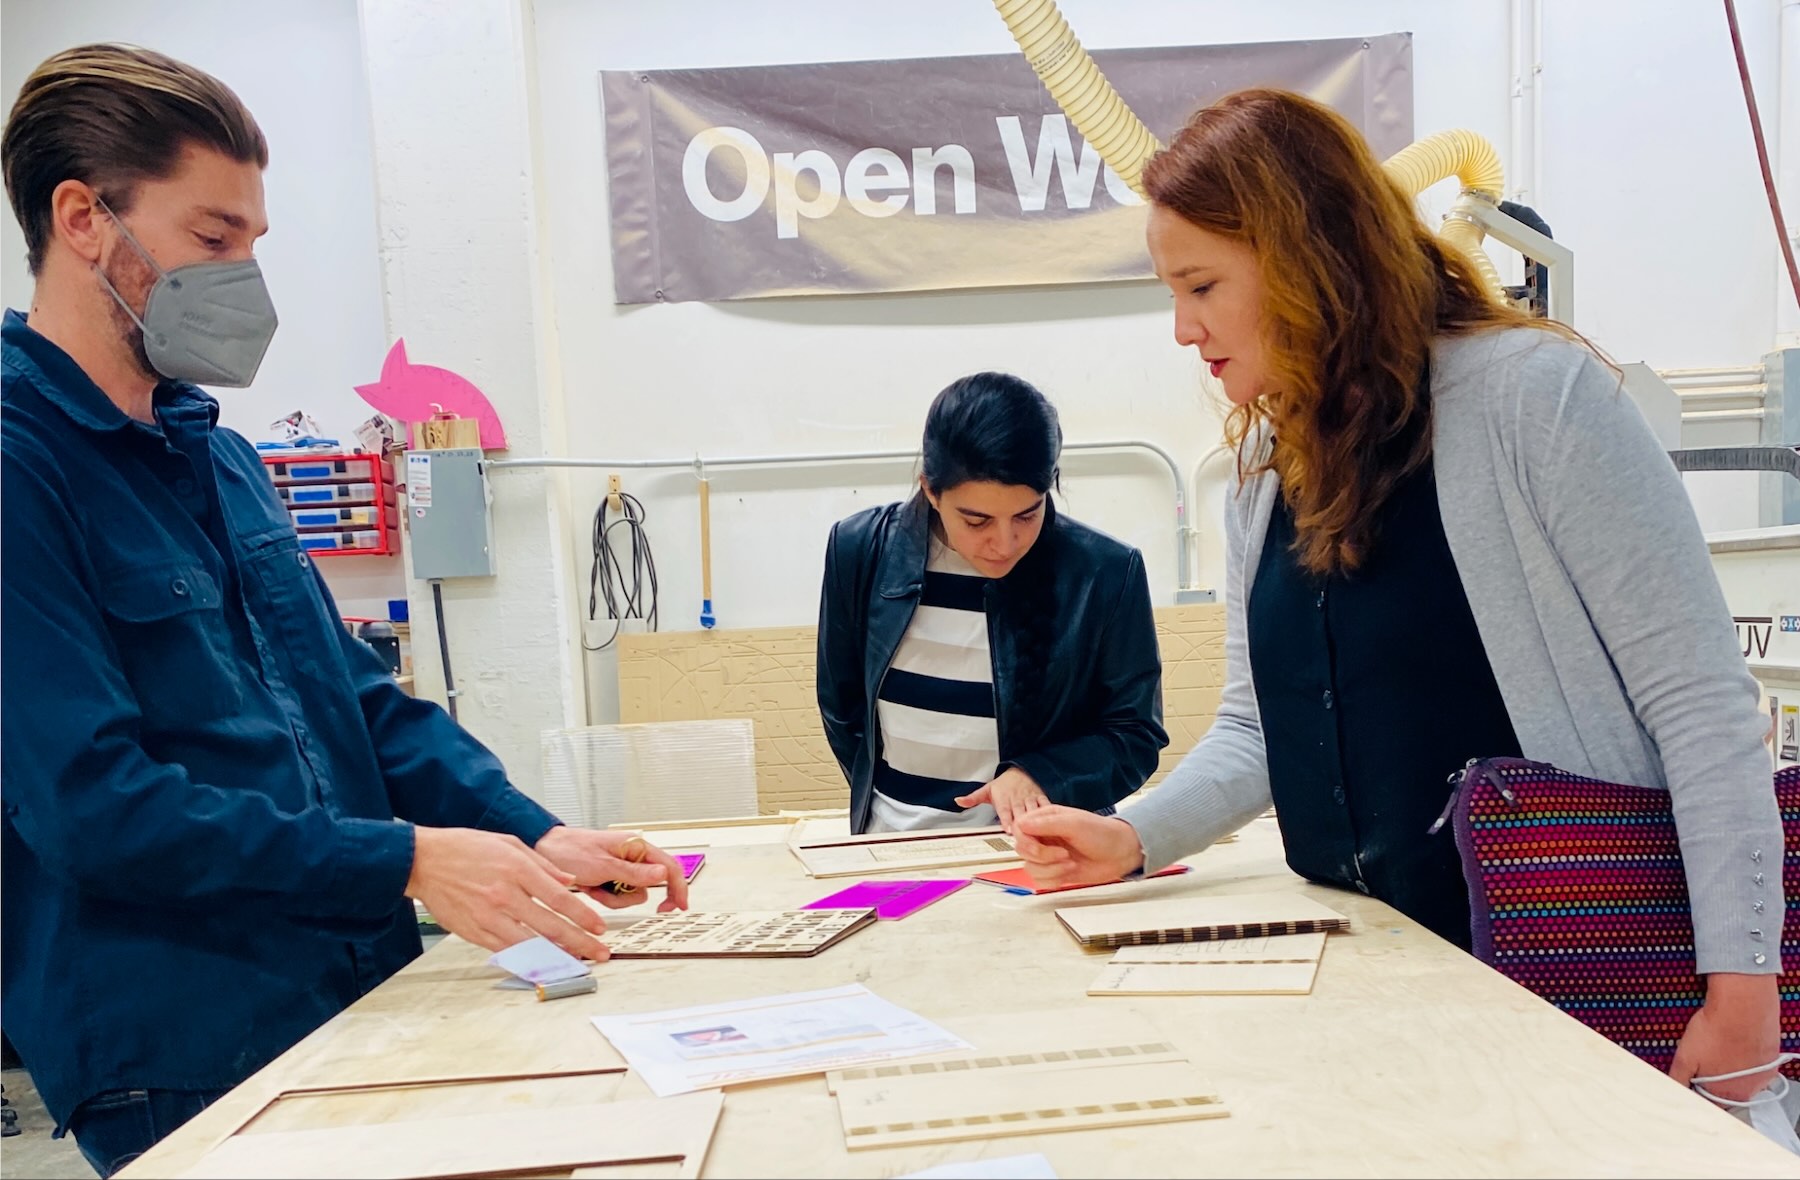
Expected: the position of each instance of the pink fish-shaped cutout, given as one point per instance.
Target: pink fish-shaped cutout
(416, 393)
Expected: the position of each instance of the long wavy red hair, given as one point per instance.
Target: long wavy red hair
(1355, 289)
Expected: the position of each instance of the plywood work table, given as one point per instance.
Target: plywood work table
(1408, 1059)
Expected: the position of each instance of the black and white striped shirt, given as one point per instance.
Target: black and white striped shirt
(939, 738)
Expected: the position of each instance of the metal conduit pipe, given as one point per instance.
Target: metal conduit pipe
(1183, 574)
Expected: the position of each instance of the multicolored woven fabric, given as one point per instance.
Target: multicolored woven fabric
(1577, 893)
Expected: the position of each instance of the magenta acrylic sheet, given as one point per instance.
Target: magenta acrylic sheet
(891, 900)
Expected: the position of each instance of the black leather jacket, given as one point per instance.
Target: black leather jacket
(1076, 670)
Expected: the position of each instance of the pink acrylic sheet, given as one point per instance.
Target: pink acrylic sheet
(891, 900)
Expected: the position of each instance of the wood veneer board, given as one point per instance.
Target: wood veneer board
(1197, 919)
(1268, 948)
(761, 934)
(811, 834)
(1205, 979)
(982, 1101)
(724, 821)
(507, 1141)
(904, 855)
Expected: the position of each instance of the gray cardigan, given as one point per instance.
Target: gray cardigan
(1591, 586)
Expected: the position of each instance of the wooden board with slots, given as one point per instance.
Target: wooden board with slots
(1196, 919)
(761, 934)
(986, 1094)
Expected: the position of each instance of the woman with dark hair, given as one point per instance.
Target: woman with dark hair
(979, 655)
(1452, 536)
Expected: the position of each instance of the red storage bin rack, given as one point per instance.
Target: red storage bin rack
(362, 482)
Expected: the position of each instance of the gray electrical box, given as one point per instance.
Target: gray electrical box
(451, 520)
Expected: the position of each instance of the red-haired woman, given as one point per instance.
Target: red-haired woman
(1452, 536)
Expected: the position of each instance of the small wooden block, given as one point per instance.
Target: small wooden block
(443, 434)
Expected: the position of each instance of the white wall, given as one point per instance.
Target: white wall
(1650, 175)
(297, 64)
(463, 259)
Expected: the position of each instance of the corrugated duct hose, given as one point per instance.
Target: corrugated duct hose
(1123, 141)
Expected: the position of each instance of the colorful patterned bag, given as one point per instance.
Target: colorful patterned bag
(1576, 892)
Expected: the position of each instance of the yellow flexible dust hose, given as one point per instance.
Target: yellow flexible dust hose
(1476, 165)
(1123, 141)
(1080, 89)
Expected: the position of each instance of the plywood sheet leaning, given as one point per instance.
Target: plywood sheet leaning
(767, 934)
(657, 1131)
(1197, 919)
(767, 675)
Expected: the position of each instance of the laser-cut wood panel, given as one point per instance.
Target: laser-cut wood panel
(768, 676)
(992, 1097)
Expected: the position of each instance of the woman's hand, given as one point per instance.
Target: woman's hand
(1068, 846)
(1739, 1027)
(1013, 794)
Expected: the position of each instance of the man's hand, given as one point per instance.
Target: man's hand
(1068, 846)
(494, 891)
(1012, 794)
(1739, 1027)
(597, 858)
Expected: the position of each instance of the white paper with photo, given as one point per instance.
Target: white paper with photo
(781, 1036)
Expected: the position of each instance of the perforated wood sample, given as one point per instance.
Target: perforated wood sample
(759, 934)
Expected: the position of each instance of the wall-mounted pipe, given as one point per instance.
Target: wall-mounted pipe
(1197, 498)
(1756, 414)
(698, 464)
(1709, 376)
